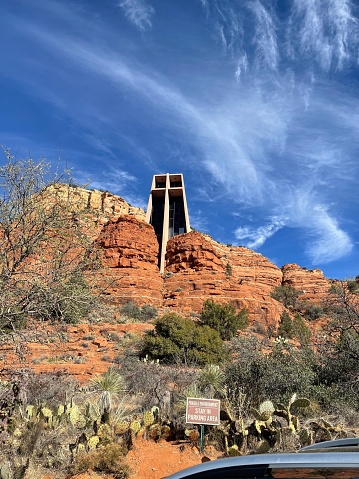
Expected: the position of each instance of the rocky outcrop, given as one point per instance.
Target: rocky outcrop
(311, 282)
(130, 261)
(100, 203)
(198, 268)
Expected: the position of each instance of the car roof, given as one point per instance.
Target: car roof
(350, 443)
(348, 460)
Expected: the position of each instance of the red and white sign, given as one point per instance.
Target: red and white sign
(203, 411)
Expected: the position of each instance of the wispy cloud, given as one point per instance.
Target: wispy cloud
(328, 241)
(329, 31)
(256, 237)
(265, 38)
(138, 12)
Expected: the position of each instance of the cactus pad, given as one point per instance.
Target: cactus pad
(148, 418)
(135, 426)
(121, 427)
(301, 402)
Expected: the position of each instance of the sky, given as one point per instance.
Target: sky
(254, 101)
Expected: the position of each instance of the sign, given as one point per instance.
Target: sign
(203, 411)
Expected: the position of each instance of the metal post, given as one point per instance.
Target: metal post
(201, 439)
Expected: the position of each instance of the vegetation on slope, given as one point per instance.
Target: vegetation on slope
(278, 392)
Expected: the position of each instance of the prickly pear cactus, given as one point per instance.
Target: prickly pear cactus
(30, 410)
(47, 413)
(74, 413)
(148, 418)
(263, 447)
(121, 427)
(266, 409)
(301, 402)
(81, 423)
(6, 472)
(135, 426)
(305, 437)
(93, 442)
(233, 451)
(61, 410)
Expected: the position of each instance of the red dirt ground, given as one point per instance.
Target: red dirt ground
(150, 460)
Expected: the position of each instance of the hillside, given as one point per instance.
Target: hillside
(78, 391)
(197, 267)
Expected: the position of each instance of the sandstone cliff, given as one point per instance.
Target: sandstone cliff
(311, 282)
(197, 267)
(130, 270)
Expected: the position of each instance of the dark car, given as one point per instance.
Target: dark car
(331, 459)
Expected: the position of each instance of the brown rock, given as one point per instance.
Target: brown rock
(198, 268)
(311, 282)
(130, 261)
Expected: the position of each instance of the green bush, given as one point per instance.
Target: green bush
(260, 376)
(177, 339)
(223, 318)
(301, 330)
(148, 312)
(353, 286)
(286, 295)
(285, 329)
(131, 310)
(313, 311)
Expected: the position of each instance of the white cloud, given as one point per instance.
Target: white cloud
(242, 66)
(265, 38)
(256, 237)
(330, 241)
(138, 12)
(326, 30)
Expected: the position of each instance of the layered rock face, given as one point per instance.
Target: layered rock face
(311, 282)
(130, 261)
(101, 204)
(198, 268)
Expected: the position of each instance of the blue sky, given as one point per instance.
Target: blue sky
(254, 101)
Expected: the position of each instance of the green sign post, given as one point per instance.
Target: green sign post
(203, 412)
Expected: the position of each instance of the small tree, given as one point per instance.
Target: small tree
(44, 251)
(285, 329)
(223, 318)
(177, 339)
(286, 295)
(301, 330)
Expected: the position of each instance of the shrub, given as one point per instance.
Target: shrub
(285, 329)
(286, 295)
(223, 318)
(131, 310)
(229, 270)
(301, 330)
(313, 311)
(108, 459)
(353, 286)
(148, 312)
(260, 376)
(150, 383)
(177, 339)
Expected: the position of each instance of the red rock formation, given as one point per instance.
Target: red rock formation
(311, 281)
(198, 268)
(130, 270)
